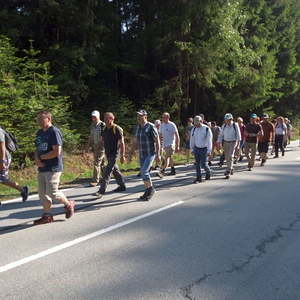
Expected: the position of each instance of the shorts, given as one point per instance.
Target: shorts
(169, 151)
(4, 177)
(48, 186)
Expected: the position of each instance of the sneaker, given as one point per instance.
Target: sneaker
(161, 174)
(241, 158)
(99, 195)
(46, 218)
(282, 154)
(231, 172)
(263, 161)
(120, 188)
(276, 156)
(69, 209)
(197, 180)
(249, 168)
(220, 164)
(173, 172)
(235, 161)
(227, 174)
(24, 193)
(207, 176)
(148, 194)
(93, 183)
(209, 163)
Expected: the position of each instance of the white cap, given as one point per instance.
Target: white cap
(157, 122)
(95, 113)
(197, 119)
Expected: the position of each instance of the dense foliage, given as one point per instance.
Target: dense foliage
(182, 56)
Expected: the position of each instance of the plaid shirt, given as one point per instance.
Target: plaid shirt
(146, 139)
(95, 133)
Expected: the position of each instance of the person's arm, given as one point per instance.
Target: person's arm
(260, 133)
(220, 138)
(238, 136)
(209, 138)
(177, 140)
(38, 161)
(157, 149)
(55, 152)
(192, 139)
(122, 150)
(2, 155)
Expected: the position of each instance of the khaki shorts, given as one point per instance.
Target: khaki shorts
(169, 151)
(48, 186)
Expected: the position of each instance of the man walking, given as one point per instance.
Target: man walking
(253, 130)
(5, 161)
(48, 158)
(265, 139)
(113, 139)
(148, 143)
(96, 129)
(230, 137)
(171, 141)
(201, 145)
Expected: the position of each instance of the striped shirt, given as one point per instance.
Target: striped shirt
(146, 136)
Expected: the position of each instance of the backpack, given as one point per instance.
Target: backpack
(11, 143)
(194, 128)
(234, 127)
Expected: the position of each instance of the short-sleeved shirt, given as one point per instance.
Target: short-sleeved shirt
(215, 132)
(252, 128)
(111, 137)
(168, 131)
(242, 130)
(280, 129)
(187, 131)
(146, 136)
(2, 139)
(45, 140)
(268, 128)
(95, 133)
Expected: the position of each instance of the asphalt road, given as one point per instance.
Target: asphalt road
(234, 239)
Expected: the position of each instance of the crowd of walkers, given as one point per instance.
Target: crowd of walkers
(158, 142)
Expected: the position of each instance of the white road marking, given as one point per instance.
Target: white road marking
(83, 238)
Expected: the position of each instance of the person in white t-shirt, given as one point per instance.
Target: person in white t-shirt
(170, 139)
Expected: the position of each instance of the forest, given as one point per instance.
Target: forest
(182, 56)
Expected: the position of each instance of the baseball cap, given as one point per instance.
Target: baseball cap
(95, 113)
(142, 112)
(197, 119)
(157, 122)
(254, 116)
(228, 116)
(266, 116)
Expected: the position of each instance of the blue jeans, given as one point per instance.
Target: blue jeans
(201, 160)
(146, 163)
